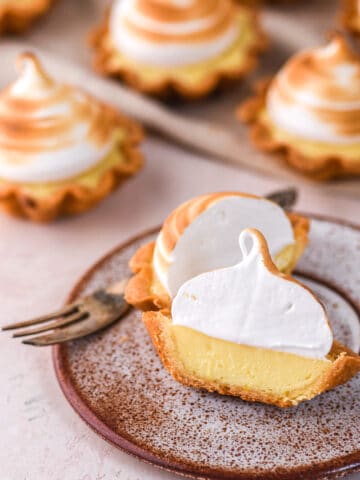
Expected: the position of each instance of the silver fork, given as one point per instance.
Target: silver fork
(98, 310)
(87, 315)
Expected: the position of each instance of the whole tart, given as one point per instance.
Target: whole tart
(351, 16)
(309, 112)
(205, 356)
(186, 48)
(17, 15)
(61, 150)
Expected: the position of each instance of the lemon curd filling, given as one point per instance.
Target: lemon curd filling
(283, 374)
(310, 148)
(88, 179)
(286, 259)
(234, 56)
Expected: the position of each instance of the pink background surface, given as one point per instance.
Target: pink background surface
(40, 436)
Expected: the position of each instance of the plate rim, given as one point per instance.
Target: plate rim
(330, 469)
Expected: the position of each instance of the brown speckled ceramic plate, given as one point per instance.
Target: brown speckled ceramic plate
(117, 384)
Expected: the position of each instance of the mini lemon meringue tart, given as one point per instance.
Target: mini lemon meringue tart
(351, 15)
(17, 15)
(310, 112)
(187, 47)
(220, 313)
(61, 150)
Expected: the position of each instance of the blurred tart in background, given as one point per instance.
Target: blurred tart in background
(61, 150)
(17, 15)
(310, 111)
(188, 48)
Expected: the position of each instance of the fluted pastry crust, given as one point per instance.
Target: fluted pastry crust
(15, 17)
(168, 83)
(69, 197)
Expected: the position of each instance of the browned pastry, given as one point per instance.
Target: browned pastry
(167, 55)
(17, 15)
(309, 112)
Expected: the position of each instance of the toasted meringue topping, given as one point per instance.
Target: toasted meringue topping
(316, 95)
(251, 303)
(49, 131)
(173, 32)
(202, 234)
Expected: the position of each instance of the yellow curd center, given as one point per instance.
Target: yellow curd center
(270, 371)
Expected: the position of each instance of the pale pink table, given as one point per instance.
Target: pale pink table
(41, 438)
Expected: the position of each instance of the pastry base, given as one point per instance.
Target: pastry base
(316, 160)
(189, 82)
(46, 202)
(146, 293)
(196, 360)
(18, 16)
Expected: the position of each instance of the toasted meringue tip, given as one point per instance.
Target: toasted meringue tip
(338, 42)
(28, 62)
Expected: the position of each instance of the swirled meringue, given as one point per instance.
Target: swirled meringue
(316, 95)
(172, 33)
(49, 132)
(202, 235)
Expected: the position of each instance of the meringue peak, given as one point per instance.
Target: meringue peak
(337, 50)
(252, 303)
(33, 79)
